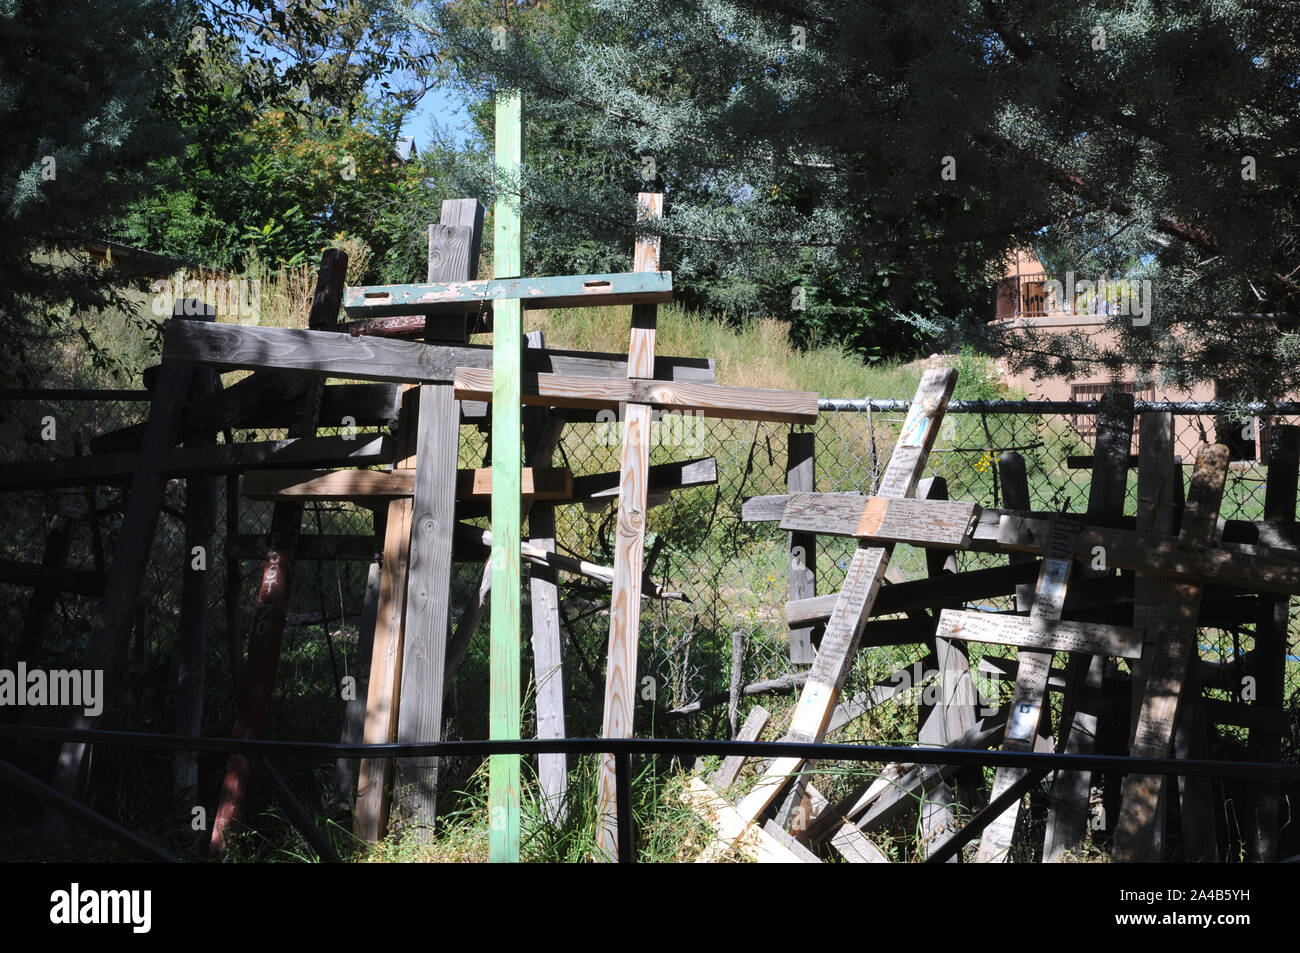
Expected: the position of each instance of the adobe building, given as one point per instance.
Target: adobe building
(1030, 297)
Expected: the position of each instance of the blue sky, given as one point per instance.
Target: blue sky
(442, 105)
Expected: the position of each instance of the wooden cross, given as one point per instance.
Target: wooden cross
(862, 583)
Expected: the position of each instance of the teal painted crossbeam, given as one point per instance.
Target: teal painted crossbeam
(460, 297)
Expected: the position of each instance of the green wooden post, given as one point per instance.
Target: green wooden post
(503, 722)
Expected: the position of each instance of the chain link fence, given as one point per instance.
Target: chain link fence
(733, 577)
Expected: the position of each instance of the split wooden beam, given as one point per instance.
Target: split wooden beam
(1168, 670)
(863, 578)
(629, 533)
(113, 619)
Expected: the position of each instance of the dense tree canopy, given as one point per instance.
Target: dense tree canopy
(886, 156)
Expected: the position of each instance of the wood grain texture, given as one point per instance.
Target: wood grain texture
(863, 578)
(1165, 677)
(953, 711)
(1260, 569)
(534, 294)
(629, 539)
(851, 843)
(428, 596)
(362, 358)
(1088, 638)
(771, 508)
(940, 523)
(709, 400)
(383, 693)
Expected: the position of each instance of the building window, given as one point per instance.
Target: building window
(1086, 424)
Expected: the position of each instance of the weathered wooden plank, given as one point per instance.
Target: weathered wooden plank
(383, 693)
(424, 632)
(1271, 624)
(1176, 641)
(862, 583)
(1031, 683)
(1092, 638)
(778, 834)
(549, 484)
(629, 536)
(952, 713)
(749, 840)
(548, 665)
(272, 606)
(852, 844)
(946, 524)
(768, 509)
(295, 351)
(709, 400)
(1257, 569)
(534, 294)
(978, 584)
(755, 722)
(539, 453)
(1069, 802)
(800, 477)
(112, 622)
(663, 477)
(504, 391)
